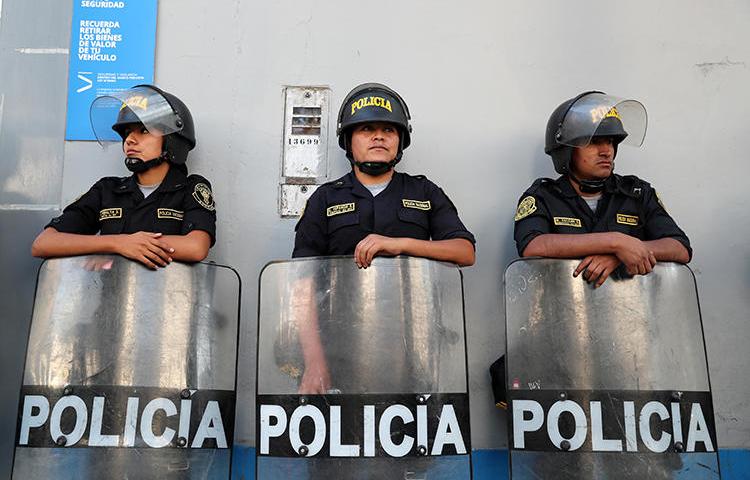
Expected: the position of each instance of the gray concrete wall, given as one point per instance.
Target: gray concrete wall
(481, 79)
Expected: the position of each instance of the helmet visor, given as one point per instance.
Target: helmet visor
(618, 117)
(109, 113)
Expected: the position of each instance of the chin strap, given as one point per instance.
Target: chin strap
(136, 165)
(588, 186)
(375, 168)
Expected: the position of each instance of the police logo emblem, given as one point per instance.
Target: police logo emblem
(135, 101)
(525, 208)
(110, 214)
(202, 194)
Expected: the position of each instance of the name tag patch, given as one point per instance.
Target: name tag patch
(110, 213)
(567, 222)
(334, 210)
(627, 219)
(169, 213)
(418, 204)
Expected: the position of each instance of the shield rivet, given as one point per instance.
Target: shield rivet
(303, 400)
(68, 390)
(562, 396)
(421, 399)
(421, 450)
(182, 442)
(185, 394)
(303, 451)
(676, 396)
(61, 441)
(679, 447)
(565, 445)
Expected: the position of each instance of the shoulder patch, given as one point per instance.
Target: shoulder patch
(334, 210)
(202, 194)
(418, 204)
(525, 208)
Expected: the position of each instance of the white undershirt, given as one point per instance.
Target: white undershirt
(147, 190)
(592, 202)
(375, 189)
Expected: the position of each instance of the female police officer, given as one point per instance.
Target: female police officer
(156, 215)
(373, 210)
(589, 211)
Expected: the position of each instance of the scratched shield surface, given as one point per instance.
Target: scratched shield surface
(628, 342)
(392, 331)
(108, 327)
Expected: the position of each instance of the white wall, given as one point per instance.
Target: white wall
(481, 78)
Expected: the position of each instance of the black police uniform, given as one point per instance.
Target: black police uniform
(628, 205)
(116, 205)
(343, 212)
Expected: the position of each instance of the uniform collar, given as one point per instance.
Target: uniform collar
(614, 183)
(174, 180)
(350, 181)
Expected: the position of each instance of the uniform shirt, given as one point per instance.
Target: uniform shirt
(343, 212)
(116, 205)
(628, 205)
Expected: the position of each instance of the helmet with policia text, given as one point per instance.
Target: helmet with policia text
(160, 112)
(589, 115)
(373, 102)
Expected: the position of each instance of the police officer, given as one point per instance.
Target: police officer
(590, 212)
(156, 215)
(374, 210)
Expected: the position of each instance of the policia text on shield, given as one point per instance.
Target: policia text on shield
(159, 213)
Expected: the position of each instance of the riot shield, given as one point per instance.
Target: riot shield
(609, 382)
(362, 373)
(130, 373)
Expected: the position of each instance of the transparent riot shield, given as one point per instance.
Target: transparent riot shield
(609, 382)
(362, 373)
(130, 373)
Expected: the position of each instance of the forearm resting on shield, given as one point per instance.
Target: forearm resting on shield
(316, 378)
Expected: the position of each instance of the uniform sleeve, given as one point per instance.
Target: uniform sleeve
(199, 208)
(659, 224)
(311, 232)
(531, 220)
(444, 221)
(81, 216)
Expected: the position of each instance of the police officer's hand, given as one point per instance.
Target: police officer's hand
(316, 380)
(636, 256)
(374, 244)
(145, 247)
(597, 268)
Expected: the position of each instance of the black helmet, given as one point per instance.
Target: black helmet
(373, 102)
(157, 110)
(589, 115)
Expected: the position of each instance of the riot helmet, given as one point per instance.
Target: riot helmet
(368, 103)
(160, 112)
(592, 114)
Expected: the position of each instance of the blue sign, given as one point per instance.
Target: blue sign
(112, 46)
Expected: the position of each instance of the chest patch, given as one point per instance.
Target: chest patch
(110, 214)
(202, 194)
(418, 204)
(334, 210)
(525, 208)
(170, 214)
(627, 219)
(567, 222)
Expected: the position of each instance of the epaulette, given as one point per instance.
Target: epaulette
(538, 184)
(632, 186)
